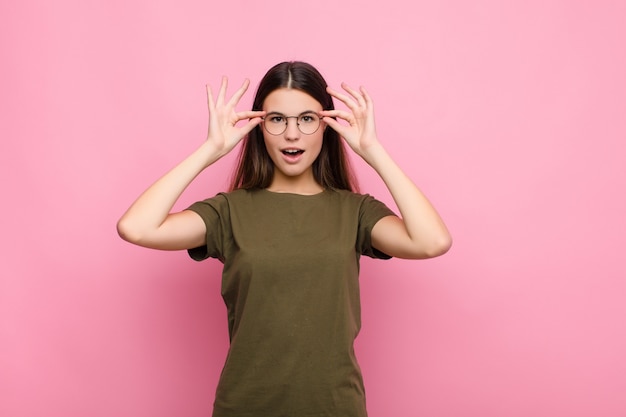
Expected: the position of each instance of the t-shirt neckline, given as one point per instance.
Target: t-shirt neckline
(287, 193)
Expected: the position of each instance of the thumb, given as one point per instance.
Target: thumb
(252, 123)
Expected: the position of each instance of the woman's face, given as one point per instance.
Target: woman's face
(292, 151)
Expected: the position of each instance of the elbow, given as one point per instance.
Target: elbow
(434, 248)
(126, 231)
(440, 246)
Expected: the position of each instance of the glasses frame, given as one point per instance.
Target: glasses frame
(319, 123)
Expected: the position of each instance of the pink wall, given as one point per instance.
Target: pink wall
(510, 117)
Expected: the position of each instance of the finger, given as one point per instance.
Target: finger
(247, 116)
(335, 125)
(347, 116)
(347, 100)
(209, 98)
(247, 128)
(368, 99)
(354, 93)
(250, 114)
(222, 94)
(239, 93)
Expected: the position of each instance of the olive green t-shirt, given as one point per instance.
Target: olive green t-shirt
(290, 284)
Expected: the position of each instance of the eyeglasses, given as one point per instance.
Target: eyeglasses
(276, 123)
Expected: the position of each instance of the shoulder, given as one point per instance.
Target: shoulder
(226, 198)
(348, 196)
(361, 200)
(365, 208)
(218, 205)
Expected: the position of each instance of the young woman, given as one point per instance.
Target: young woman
(290, 233)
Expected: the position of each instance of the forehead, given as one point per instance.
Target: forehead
(288, 100)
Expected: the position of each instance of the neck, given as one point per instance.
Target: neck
(304, 184)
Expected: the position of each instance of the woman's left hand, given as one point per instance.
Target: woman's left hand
(420, 233)
(360, 133)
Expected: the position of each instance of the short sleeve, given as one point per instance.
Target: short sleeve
(215, 214)
(370, 212)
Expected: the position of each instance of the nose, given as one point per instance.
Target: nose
(292, 132)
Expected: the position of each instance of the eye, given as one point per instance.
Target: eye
(308, 118)
(276, 118)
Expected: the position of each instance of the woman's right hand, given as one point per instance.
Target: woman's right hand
(149, 221)
(224, 134)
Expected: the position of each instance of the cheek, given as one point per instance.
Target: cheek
(320, 138)
(319, 142)
(268, 141)
(271, 149)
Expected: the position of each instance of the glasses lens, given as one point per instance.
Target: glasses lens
(275, 124)
(308, 123)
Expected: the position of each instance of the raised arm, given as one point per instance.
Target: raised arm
(149, 221)
(420, 232)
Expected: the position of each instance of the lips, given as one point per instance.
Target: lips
(292, 155)
(292, 151)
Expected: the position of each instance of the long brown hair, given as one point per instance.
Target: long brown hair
(255, 168)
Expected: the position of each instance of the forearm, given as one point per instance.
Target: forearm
(153, 206)
(423, 224)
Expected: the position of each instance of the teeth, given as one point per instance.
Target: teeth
(291, 151)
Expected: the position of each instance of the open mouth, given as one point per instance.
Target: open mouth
(292, 152)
